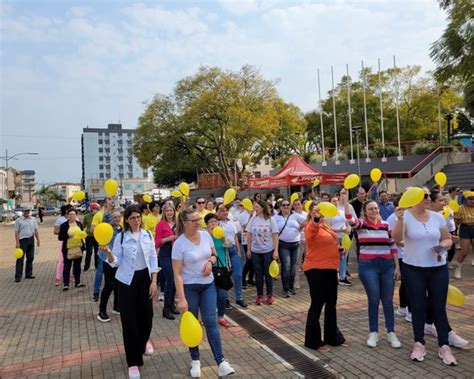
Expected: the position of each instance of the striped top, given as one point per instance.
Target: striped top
(375, 239)
(465, 215)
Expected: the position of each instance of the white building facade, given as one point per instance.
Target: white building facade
(107, 154)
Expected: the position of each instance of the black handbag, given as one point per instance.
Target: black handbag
(222, 276)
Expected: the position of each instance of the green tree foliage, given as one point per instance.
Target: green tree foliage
(453, 52)
(213, 118)
(418, 108)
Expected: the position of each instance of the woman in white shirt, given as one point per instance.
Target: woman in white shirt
(262, 247)
(289, 224)
(134, 255)
(426, 240)
(193, 255)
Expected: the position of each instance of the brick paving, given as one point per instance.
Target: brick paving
(47, 333)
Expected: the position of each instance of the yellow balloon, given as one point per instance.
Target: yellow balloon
(274, 269)
(375, 175)
(441, 179)
(327, 209)
(103, 233)
(18, 253)
(411, 197)
(190, 330)
(111, 187)
(229, 196)
(176, 193)
(184, 188)
(279, 199)
(248, 205)
(147, 198)
(80, 235)
(79, 195)
(351, 181)
(218, 232)
(446, 212)
(295, 196)
(455, 296)
(307, 205)
(316, 182)
(346, 242)
(453, 204)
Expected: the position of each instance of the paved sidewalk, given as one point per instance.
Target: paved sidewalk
(45, 332)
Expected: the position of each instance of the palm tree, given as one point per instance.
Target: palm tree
(47, 195)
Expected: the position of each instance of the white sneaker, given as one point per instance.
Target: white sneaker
(430, 329)
(373, 339)
(149, 348)
(472, 262)
(402, 311)
(161, 296)
(457, 271)
(225, 369)
(408, 317)
(195, 369)
(393, 340)
(456, 341)
(133, 372)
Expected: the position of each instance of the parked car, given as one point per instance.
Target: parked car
(51, 211)
(6, 214)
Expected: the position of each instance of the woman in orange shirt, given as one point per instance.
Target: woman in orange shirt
(320, 267)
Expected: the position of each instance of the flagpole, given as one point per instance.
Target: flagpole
(439, 115)
(400, 156)
(349, 113)
(321, 119)
(336, 153)
(367, 159)
(384, 159)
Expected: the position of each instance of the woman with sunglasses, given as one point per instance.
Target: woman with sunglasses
(134, 255)
(465, 219)
(378, 266)
(289, 224)
(426, 240)
(193, 255)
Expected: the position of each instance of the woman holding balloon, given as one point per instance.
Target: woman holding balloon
(320, 267)
(465, 219)
(426, 240)
(135, 257)
(378, 266)
(193, 255)
(70, 232)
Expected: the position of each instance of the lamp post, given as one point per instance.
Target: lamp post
(448, 118)
(356, 129)
(7, 158)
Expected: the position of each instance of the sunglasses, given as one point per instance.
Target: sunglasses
(285, 205)
(200, 202)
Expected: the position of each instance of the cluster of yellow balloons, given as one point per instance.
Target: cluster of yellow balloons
(190, 330)
(274, 269)
(18, 253)
(183, 190)
(80, 235)
(103, 233)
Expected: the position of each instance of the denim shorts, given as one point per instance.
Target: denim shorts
(466, 232)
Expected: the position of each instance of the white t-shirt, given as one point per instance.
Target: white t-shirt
(304, 215)
(194, 257)
(140, 262)
(391, 223)
(60, 220)
(291, 231)
(230, 231)
(351, 209)
(450, 222)
(420, 238)
(243, 218)
(339, 222)
(262, 234)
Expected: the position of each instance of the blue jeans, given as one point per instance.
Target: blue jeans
(99, 273)
(236, 272)
(201, 298)
(288, 252)
(377, 277)
(428, 285)
(167, 273)
(343, 264)
(221, 300)
(261, 263)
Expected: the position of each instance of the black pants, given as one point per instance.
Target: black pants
(452, 249)
(248, 267)
(40, 215)
(76, 269)
(323, 291)
(402, 291)
(91, 247)
(136, 313)
(28, 247)
(110, 284)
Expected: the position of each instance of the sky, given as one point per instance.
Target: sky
(66, 64)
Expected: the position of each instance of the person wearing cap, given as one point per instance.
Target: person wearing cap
(26, 230)
(91, 244)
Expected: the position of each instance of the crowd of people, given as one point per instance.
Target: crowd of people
(168, 251)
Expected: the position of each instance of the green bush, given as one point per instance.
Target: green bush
(340, 157)
(423, 147)
(390, 151)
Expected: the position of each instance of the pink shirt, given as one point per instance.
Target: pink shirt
(162, 230)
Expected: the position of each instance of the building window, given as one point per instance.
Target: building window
(101, 166)
(101, 150)
(145, 174)
(101, 141)
(267, 161)
(101, 158)
(101, 176)
(130, 175)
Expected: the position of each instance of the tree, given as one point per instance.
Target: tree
(453, 52)
(47, 195)
(213, 119)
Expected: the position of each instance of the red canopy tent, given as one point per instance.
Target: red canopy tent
(296, 172)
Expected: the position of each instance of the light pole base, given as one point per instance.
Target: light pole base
(337, 163)
(352, 161)
(367, 160)
(400, 158)
(324, 164)
(384, 159)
